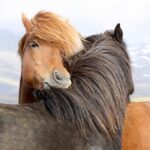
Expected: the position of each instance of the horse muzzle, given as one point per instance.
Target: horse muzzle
(58, 80)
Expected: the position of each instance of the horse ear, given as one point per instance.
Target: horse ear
(118, 33)
(26, 22)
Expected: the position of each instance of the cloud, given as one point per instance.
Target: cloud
(146, 50)
(146, 75)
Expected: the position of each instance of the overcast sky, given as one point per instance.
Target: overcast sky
(88, 16)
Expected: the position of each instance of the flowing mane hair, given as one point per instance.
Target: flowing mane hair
(101, 85)
(54, 30)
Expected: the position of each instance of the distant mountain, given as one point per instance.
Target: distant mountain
(8, 40)
(8, 93)
(9, 66)
(9, 76)
(140, 56)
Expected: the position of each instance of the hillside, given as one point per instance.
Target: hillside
(9, 67)
(8, 40)
(140, 56)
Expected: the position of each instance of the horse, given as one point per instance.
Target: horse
(101, 84)
(136, 128)
(49, 39)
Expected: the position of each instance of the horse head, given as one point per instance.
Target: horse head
(47, 41)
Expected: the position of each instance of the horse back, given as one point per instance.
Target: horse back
(136, 134)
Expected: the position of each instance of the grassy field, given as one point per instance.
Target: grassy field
(140, 99)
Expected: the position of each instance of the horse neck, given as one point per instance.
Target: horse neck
(25, 93)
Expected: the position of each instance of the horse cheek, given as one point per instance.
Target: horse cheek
(27, 68)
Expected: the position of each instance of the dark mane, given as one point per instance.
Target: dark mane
(101, 85)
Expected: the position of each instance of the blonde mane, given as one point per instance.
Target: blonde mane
(55, 31)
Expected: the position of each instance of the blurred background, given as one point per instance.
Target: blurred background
(89, 17)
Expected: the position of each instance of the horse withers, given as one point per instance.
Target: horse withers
(47, 41)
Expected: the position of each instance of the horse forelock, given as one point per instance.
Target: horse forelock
(57, 32)
(100, 89)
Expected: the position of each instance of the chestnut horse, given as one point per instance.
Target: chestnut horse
(47, 41)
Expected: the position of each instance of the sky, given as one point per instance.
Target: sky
(88, 16)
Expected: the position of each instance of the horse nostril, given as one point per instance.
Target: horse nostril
(58, 76)
(61, 78)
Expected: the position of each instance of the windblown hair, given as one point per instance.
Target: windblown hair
(55, 31)
(101, 85)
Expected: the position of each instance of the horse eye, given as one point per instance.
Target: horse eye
(34, 44)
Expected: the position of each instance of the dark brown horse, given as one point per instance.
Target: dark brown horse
(47, 41)
(101, 85)
(136, 126)
(87, 116)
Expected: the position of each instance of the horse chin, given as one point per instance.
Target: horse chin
(64, 85)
